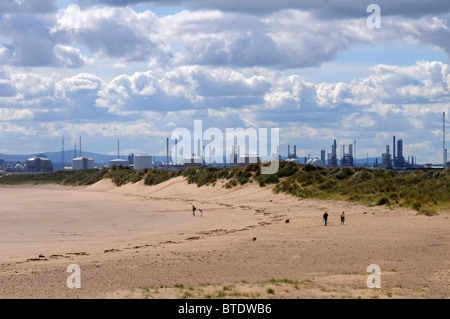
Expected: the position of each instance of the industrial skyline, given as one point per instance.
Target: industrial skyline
(136, 70)
(346, 158)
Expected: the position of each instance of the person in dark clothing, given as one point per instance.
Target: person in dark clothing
(342, 218)
(193, 210)
(325, 218)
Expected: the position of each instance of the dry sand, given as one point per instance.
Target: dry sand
(138, 241)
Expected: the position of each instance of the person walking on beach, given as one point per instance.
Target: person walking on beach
(201, 212)
(193, 210)
(325, 218)
(342, 218)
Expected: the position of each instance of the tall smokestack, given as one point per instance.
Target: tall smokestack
(393, 152)
(443, 139)
(176, 151)
(80, 147)
(167, 155)
(118, 149)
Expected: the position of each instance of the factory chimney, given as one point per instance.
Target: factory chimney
(393, 152)
(167, 154)
(176, 151)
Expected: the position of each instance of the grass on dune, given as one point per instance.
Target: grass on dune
(422, 190)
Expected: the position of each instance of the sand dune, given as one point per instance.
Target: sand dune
(136, 236)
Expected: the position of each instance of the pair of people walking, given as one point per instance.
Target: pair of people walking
(325, 218)
(194, 209)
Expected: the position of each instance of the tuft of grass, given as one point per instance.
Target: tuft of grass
(427, 212)
(186, 295)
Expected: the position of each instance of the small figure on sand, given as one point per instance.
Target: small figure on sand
(193, 210)
(325, 218)
(201, 212)
(342, 218)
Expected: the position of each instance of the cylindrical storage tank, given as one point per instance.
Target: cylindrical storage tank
(294, 160)
(39, 164)
(82, 163)
(118, 162)
(142, 161)
(316, 162)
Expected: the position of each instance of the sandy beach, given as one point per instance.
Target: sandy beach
(139, 241)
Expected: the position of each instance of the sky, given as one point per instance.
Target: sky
(137, 70)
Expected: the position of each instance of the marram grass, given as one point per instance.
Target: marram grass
(425, 190)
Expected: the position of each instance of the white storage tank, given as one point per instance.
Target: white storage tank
(82, 163)
(38, 164)
(315, 161)
(142, 161)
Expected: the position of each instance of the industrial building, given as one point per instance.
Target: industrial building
(332, 157)
(293, 155)
(82, 163)
(192, 161)
(142, 161)
(347, 158)
(236, 158)
(386, 160)
(118, 161)
(38, 164)
(248, 159)
(396, 160)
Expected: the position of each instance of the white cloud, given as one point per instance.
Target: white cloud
(68, 56)
(15, 130)
(113, 32)
(15, 114)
